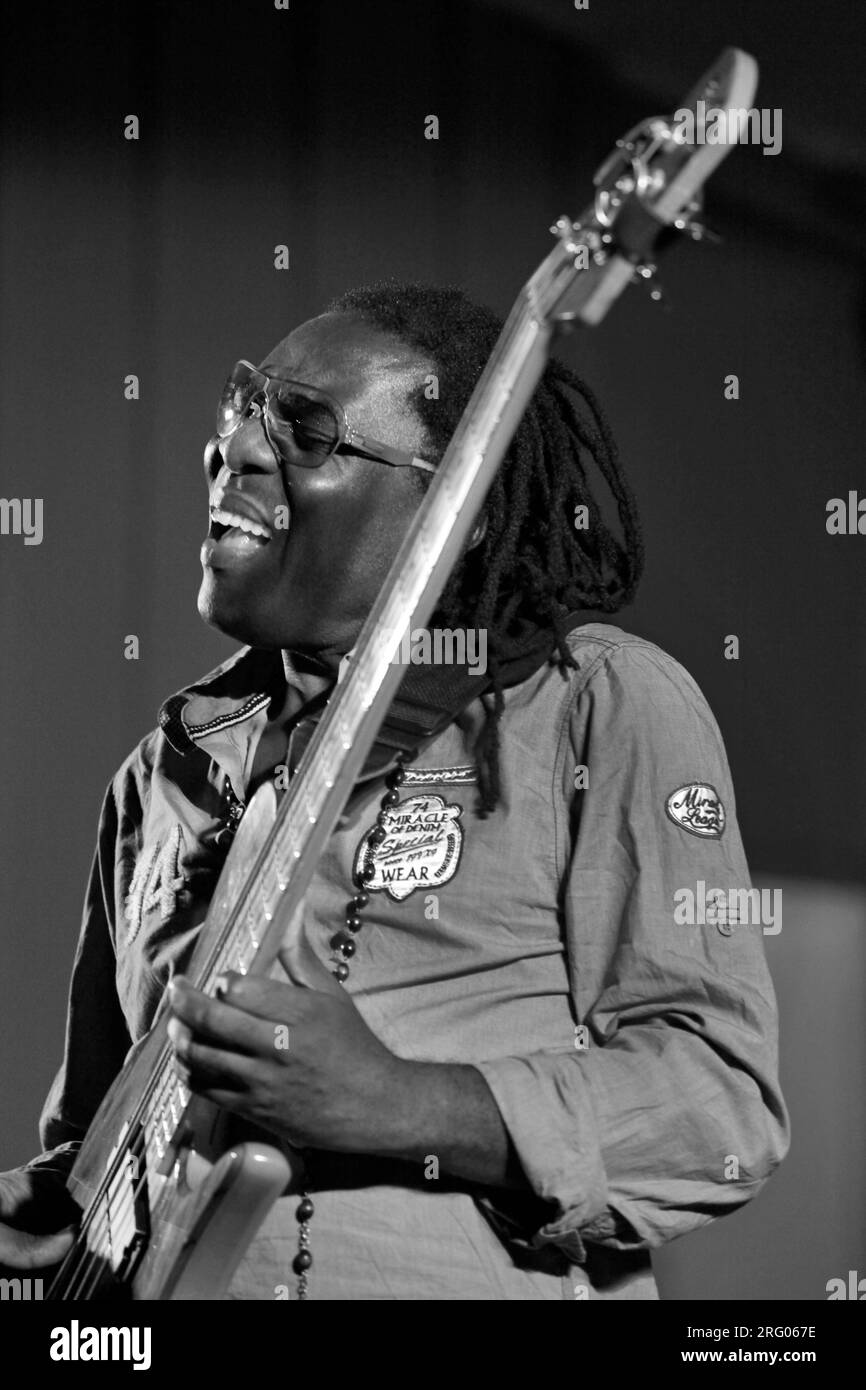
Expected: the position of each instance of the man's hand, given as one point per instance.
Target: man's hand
(22, 1249)
(298, 1061)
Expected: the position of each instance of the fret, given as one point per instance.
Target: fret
(308, 805)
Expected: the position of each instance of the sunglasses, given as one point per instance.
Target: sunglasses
(303, 425)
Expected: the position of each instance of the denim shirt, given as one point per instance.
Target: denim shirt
(633, 1057)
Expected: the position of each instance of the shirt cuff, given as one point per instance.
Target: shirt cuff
(545, 1106)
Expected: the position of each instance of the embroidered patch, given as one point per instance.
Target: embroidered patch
(697, 808)
(156, 882)
(421, 849)
(464, 776)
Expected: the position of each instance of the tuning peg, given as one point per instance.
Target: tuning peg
(645, 275)
(698, 231)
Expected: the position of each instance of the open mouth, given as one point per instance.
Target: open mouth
(231, 522)
(226, 525)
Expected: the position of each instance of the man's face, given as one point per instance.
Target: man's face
(311, 585)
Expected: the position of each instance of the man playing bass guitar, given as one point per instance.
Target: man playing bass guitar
(533, 1072)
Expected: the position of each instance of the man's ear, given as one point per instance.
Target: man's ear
(479, 531)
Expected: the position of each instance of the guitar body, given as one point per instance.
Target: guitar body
(170, 1207)
(216, 1209)
(179, 1231)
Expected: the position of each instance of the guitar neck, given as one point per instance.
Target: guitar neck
(336, 754)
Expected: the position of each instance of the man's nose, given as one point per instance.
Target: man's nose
(246, 450)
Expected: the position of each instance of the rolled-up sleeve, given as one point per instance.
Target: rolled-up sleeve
(667, 1112)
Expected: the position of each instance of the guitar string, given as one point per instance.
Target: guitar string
(227, 953)
(91, 1241)
(111, 1209)
(229, 944)
(104, 1203)
(114, 1207)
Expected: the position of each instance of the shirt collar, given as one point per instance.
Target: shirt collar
(232, 692)
(210, 711)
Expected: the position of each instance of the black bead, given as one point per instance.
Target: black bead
(359, 900)
(377, 835)
(395, 778)
(343, 942)
(302, 1262)
(354, 923)
(342, 973)
(305, 1210)
(390, 798)
(366, 873)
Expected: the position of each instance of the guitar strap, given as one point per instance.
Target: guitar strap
(430, 697)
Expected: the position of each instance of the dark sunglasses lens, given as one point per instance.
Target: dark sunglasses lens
(312, 424)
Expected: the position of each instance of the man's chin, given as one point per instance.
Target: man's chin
(229, 618)
(242, 622)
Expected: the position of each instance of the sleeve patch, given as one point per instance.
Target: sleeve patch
(697, 808)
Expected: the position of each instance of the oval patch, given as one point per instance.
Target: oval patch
(421, 848)
(697, 808)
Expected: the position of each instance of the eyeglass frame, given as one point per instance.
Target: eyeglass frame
(348, 439)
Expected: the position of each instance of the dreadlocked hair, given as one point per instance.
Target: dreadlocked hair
(534, 565)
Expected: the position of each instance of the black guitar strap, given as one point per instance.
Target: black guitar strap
(429, 698)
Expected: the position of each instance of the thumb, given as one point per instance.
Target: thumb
(300, 962)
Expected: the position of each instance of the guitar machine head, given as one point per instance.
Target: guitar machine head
(651, 185)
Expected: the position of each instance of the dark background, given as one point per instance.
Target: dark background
(306, 127)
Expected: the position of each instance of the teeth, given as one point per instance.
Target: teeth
(224, 518)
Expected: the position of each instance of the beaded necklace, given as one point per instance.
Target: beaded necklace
(343, 947)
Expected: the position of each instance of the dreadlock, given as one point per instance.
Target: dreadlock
(533, 565)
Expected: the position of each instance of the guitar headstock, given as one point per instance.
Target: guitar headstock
(651, 182)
